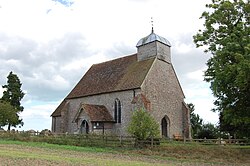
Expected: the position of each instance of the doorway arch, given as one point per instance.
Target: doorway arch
(84, 129)
(165, 123)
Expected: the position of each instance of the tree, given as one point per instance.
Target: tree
(143, 125)
(195, 120)
(227, 37)
(13, 95)
(8, 114)
(208, 131)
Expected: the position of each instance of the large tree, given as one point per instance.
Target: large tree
(13, 94)
(226, 35)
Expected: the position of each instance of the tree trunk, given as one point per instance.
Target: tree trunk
(8, 127)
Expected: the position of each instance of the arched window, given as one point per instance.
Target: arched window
(117, 112)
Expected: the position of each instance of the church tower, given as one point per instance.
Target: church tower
(152, 46)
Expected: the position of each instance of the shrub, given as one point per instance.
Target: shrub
(143, 126)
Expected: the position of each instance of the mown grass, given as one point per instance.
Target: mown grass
(69, 160)
(15, 152)
(55, 146)
(174, 153)
(203, 153)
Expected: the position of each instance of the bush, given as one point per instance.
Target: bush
(143, 126)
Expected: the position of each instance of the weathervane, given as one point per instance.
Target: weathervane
(152, 24)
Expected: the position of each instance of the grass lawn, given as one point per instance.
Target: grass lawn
(34, 153)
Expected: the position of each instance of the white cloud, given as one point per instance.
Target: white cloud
(197, 75)
(40, 110)
(37, 115)
(203, 108)
(201, 96)
(40, 66)
(183, 48)
(1, 92)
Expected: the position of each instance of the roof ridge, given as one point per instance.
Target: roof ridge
(115, 59)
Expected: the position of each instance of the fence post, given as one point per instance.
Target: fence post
(229, 138)
(121, 139)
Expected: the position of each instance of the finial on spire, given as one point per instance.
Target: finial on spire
(152, 24)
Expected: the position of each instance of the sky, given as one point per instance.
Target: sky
(50, 44)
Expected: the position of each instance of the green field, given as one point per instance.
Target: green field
(34, 153)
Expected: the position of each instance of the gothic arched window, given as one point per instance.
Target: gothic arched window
(117, 112)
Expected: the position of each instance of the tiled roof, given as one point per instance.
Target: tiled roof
(58, 110)
(96, 113)
(116, 75)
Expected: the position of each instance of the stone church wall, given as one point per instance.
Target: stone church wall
(107, 100)
(161, 87)
(56, 124)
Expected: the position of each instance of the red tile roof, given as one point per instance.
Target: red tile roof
(96, 113)
(58, 110)
(116, 75)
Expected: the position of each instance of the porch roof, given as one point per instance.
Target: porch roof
(96, 113)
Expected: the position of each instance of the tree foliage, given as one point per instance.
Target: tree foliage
(209, 131)
(227, 37)
(195, 120)
(13, 95)
(8, 114)
(143, 125)
(199, 129)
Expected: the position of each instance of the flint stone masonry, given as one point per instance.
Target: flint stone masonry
(108, 100)
(165, 95)
(56, 124)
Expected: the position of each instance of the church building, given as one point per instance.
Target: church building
(106, 96)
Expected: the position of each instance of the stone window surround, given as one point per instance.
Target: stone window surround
(117, 111)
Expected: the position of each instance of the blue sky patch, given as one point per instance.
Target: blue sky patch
(66, 3)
